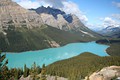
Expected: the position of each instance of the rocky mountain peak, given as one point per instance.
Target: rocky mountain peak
(7, 3)
(5, 0)
(12, 14)
(59, 19)
(49, 10)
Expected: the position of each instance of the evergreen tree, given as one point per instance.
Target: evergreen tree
(3, 67)
(26, 71)
(38, 70)
(43, 73)
(2, 57)
(16, 75)
(34, 72)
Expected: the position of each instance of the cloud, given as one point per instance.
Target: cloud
(28, 3)
(67, 6)
(70, 7)
(116, 4)
(108, 21)
(104, 22)
(116, 16)
(55, 3)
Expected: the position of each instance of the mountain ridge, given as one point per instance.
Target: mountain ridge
(24, 30)
(59, 19)
(62, 19)
(11, 14)
(110, 31)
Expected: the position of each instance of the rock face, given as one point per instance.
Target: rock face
(47, 78)
(11, 14)
(56, 77)
(59, 19)
(67, 22)
(108, 73)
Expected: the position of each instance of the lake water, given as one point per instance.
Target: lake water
(48, 56)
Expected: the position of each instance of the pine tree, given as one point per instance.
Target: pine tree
(2, 57)
(43, 73)
(34, 72)
(38, 70)
(26, 71)
(3, 67)
(16, 75)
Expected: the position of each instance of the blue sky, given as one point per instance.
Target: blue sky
(95, 14)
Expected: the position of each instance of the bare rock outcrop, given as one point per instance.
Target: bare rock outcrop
(107, 73)
(11, 14)
(47, 78)
(59, 19)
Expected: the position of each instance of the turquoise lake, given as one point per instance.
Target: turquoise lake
(48, 56)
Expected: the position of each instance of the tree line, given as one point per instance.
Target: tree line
(35, 72)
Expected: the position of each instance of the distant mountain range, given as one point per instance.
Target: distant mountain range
(111, 31)
(24, 30)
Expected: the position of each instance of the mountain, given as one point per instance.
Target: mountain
(13, 15)
(111, 31)
(23, 39)
(25, 30)
(59, 19)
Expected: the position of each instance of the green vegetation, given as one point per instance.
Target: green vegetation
(34, 71)
(82, 65)
(74, 68)
(26, 71)
(5, 73)
(3, 68)
(16, 73)
(43, 73)
(22, 39)
(114, 49)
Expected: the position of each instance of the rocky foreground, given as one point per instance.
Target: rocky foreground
(48, 78)
(107, 73)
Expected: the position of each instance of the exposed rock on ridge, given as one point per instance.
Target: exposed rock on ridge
(67, 22)
(59, 19)
(108, 73)
(11, 14)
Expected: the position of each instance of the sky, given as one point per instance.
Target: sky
(95, 14)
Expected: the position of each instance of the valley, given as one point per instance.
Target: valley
(57, 43)
(48, 56)
(23, 39)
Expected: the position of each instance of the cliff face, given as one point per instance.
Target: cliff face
(11, 14)
(59, 19)
(67, 22)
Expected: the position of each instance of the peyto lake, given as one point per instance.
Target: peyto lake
(48, 56)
